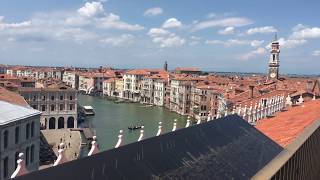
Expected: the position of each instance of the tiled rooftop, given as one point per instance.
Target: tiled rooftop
(12, 97)
(286, 126)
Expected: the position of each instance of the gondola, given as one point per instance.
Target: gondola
(134, 127)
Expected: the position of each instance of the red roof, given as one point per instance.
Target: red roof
(12, 97)
(286, 126)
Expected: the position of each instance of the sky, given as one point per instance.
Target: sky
(213, 35)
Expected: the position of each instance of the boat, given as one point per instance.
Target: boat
(134, 127)
(88, 111)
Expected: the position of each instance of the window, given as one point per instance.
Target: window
(71, 107)
(43, 98)
(17, 134)
(32, 129)
(52, 98)
(71, 98)
(27, 156)
(61, 107)
(34, 98)
(27, 131)
(5, 167)
(43, 108)
(61, 97)
(5, 139)
(274, 57)
(32, 154)
(34, 106)
(52, 107)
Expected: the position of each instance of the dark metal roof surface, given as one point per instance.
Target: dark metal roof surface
(227, 148)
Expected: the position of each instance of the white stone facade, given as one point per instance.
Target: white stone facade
(58, 106)
(20, 135)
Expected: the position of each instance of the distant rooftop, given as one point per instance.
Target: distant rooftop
(286, 126)
(11, 112)
(12, 97)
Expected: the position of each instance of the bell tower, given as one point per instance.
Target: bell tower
(274, 61)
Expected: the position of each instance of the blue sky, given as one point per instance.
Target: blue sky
(213, 35)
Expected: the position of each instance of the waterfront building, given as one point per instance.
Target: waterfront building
(109, 87)
(154, 89)
(119, 87)
(147, 91)
(206, 101)
(58, 104)
(71, 79)
(180, 95)
(133, 82)
(19, 133)
(86, 83)
(160, 91)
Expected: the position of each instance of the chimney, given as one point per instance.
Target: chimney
(251, 91)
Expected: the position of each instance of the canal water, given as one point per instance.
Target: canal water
(111, 117)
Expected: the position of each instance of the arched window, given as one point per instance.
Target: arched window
(60, 123)
(27, 131)
(32, 154)
(5, 167)
(32, 129)
(70, 122)
(52, 123)
(5, 139)
(17, 135)
(27, 156)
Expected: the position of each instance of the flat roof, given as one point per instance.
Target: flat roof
(87, 107)
(11, 112)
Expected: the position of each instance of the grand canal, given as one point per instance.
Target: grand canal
(110, 117)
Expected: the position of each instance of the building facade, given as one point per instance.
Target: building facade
(19, 133)
(57, 104)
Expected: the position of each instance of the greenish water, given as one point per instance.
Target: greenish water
(111, 117)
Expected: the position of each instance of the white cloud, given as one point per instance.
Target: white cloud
(165, 38)
(257, 52)
(316, 53)
(172, 23)
(226, 22)
(124, 39)
(226, 31)
(194, 40)
(113, 21)
(256, 43)
(303, 32)
(153, 11)
(4, 25)
(233, 42)
(155, 32)
(262, 30)
(91, 9)
(288, 43)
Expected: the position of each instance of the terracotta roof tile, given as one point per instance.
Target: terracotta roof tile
(286, 126)
(12, 97)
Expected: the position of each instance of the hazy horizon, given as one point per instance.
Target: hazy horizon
(227, 36)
